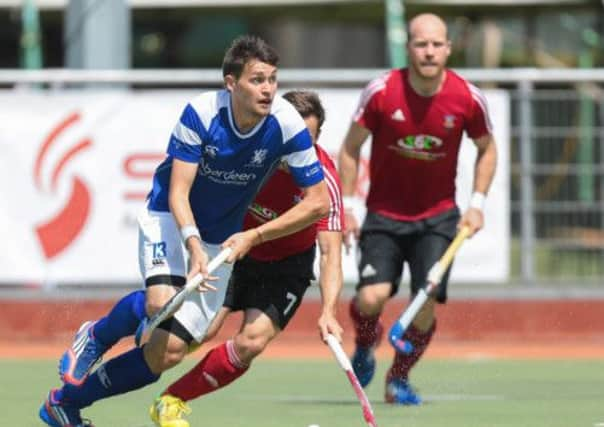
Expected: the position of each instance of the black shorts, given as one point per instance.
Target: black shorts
(386, 244)
(274, 287)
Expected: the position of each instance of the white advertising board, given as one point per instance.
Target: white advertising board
(76, 167)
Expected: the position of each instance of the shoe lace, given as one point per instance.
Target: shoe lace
(92, 350)
(182, 408)
(173, 408)
(93, 353)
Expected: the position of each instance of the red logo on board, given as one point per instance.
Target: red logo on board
(58, 232)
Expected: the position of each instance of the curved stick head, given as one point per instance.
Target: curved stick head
(369, 418)
(395, 337)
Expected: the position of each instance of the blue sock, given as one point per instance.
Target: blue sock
(125, 373)
(122, 320)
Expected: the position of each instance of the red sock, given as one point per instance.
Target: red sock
(368, 328)
(218, 368)
(403, 363)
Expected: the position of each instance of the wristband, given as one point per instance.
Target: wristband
(189, 230)
(348, 202)
(477, 200)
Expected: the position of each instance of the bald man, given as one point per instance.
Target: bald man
(416, 117)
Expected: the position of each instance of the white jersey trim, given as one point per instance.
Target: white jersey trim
(373, 87)
(300, 159)
(334, 222)
(186, 135)
(481, 100)
(207, 106)
(227, 101)
(289, 119)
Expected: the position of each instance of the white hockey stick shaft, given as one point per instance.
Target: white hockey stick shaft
(176, 301)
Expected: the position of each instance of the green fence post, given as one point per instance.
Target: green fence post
(586, 123)
(31, 51)
(396, 34)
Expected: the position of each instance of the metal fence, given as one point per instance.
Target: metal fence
(557, 171)
(557, 182)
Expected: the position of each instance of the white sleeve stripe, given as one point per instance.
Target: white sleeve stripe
(299, 159)
(331, 218)
(186, 135)
(335, 201)
(376, 84)
(338, 204)
(372, 88)
(208, 104)
(479, 97)
(288, 118)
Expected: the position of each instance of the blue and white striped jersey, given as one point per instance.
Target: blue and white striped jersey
(232, 165)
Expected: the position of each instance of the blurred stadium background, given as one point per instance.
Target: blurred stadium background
(89, 91)
(545, 55)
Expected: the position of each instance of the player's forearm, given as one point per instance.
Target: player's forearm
(314, 206)
(181, 210)
(331, 277)
(181, 181)
(484, 171)
(349, 156)
(183, 215)
(348, 167)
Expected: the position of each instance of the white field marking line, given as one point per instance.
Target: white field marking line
(599, 424)
(462, 397)
(338, 399)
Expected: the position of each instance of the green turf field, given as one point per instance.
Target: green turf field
(300, 393)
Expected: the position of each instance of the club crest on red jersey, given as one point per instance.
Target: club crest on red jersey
(262, 213)
(449, 121)
(419, 147)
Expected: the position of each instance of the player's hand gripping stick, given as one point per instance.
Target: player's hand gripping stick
(179, 297)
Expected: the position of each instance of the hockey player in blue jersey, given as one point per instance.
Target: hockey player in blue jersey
(224, 146)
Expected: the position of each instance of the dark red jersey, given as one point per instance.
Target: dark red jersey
(278, 195)
(415, 142)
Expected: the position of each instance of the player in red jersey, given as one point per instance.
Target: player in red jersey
(269, 283)
(416, 117)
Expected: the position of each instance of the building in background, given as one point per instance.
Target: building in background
(331, 33)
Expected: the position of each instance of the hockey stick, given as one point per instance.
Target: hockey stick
(344, 363)
(434, 276)
(179, 297)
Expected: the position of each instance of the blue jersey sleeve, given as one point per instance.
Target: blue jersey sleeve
(187, 137)
(302, 160)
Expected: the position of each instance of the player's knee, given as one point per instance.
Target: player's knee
(161, 358)
(173, 357)
(370, 301)
(166, 360)
(152, 307)
(156, 297)
(248, 347)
